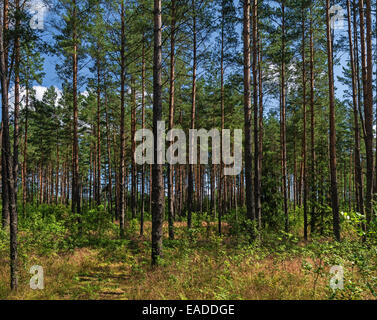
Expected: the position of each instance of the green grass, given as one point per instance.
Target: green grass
(198, 264)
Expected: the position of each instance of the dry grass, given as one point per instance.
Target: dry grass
(200, 272)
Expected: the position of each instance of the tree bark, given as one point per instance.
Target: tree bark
(260, 151)
(222, 102)
(133, 148)
(193, 106)
(157, 169)
(4, 177)
(312, 130)
(143, 127)
(283, 124)
(358, 169)
(304, 128)
(171, 120)
(98, 193)
(333, 178)
(16, 96)
(257, 192)
(122, 133)
(108, 145)
(9, 192)
(75, 157)
(247, 110)
(368, 111)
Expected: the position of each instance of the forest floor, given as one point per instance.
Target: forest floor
(196, 265)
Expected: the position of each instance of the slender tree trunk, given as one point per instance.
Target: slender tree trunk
(222, 103)
(368, 110)
(312, 124)
(334, 185)
(16, 97)
(122, 133)
(356, 54)
(108, 145)
(98, 193)
(150, 189)
(90, 178)
(213, 191)
(143, 127)
(257, 192)
(57, 174)
(75, 157)
(375, 168)
(51, 183)
(247, 110)
(283, 124)
(10, 192)
(358, 169)
(304, 128)
(5, 178)
(133, 148)
(171, 120)
(62, 184)
(24, 166)
(193, 106)
(117, 183)
(368, 138)
(157, 174)
(294, 172)
(260, 151)
(94, 165)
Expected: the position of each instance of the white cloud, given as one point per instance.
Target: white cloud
(39, 92)
(85, 93)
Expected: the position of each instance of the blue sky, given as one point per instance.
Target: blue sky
(52, 78)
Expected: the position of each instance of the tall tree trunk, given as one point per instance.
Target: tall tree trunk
(283, 116)
(16, 96)
(108, 145)
(213, 191)
(10, 192)
(312, 124)
(368, 110)
(247, 110)
(260, 151)
(4, 177)
(171, 119)
(75, 157)
(222, 103)
(358, 169)
(57, 174)
(356, 54)
(157, 170)
(375, 168)
(122, 133)
(98, 193)
(193, 106)
(304, 128)
(24, 165)
(90, 177)
(133, 148)
(257, 192)
(333, 178)
(143, 127)
(150, 189)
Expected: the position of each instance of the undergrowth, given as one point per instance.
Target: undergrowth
(84, 258)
